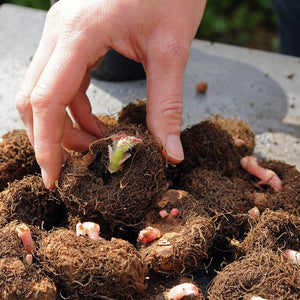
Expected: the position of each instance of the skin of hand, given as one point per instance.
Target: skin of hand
(76, 36)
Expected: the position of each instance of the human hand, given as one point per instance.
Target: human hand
(76, 36)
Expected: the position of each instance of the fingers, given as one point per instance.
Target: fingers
(55, 89)
(46, 46)
(165, 71)
(81, 110)
(57, 77)
(75, 138)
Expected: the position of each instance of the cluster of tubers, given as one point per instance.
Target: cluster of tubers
(123, 224)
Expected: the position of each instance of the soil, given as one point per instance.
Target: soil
(199, 210)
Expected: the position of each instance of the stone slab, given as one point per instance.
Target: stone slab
(259, 87)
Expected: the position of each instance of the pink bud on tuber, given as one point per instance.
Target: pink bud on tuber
(179, 291)
(89, 229)
(237, 141)
(24, 234)
(149, 234)
(174, 212)
(254, 213)
(249, 163)
(293, 256)
(257, 298)
(28, 259)
(163, 213)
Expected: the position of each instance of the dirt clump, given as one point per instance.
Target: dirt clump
(201, 87)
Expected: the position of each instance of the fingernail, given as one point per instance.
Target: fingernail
(174, 148)
(46, 179)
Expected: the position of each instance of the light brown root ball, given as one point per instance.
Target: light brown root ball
(288, 199)
(218, 194)
(18, 278)
(226, 200)
(11, 244)
(209, 146)
(29, 201)
(89, 268)
(20, 281)
(263, 273)
(185, 239)
(88, 188)
(16, 157)
(230, 230)
(275, 230)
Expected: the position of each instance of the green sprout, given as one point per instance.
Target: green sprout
(117, 152)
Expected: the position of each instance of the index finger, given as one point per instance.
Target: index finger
(55, 89)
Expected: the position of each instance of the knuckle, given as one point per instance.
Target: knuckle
(39, 98)
(53, 12)
(22, 102)
(171, 109)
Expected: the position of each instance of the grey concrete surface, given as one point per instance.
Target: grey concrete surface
(259, 87)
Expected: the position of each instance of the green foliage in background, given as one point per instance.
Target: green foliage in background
(243, 23)
(41, 4)
(248, 23)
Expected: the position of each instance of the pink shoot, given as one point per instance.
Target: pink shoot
(89, 229)
(163, 213)
(237, 141)
(293, 256)
(24, 234)
(257, 298)
(185, 289)
(174, 212)
(266, 176)
(254, 213)
(149, 234)
(28, 259)
(117, 152)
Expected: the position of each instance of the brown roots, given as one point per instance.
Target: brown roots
(16, 157)
(262, 273)
(88, 189)
(92, 268)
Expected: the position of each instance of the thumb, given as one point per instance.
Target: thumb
(165, 72)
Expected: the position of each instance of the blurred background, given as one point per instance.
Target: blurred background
(247, 23)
